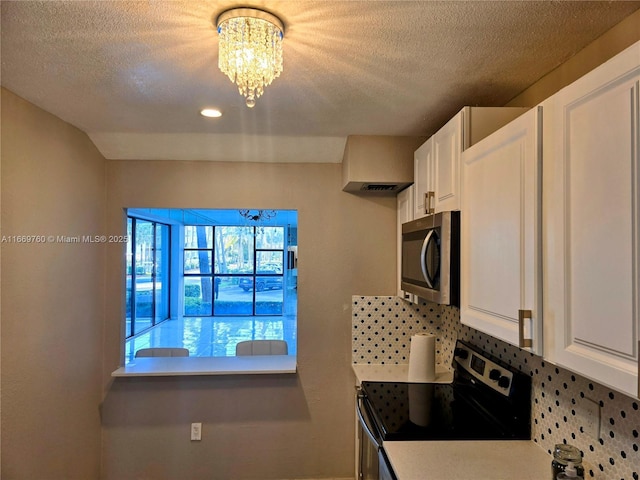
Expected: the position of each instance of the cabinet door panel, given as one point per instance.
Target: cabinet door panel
(591, 207)
(599, 219)
(447, 145)
(423, 173)
(494, 231)
(501, 232)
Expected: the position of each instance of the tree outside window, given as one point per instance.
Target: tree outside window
(233, 270)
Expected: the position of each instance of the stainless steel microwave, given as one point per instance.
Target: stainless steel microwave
(431, 258)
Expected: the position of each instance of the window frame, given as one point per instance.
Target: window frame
(174, 220)
(254, 275)
(130, 252)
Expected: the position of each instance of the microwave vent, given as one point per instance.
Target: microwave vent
(379, 187)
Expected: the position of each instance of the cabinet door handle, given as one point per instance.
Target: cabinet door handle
(428, 208)
(523, 342)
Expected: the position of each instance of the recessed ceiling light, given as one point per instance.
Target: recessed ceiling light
(210, 112)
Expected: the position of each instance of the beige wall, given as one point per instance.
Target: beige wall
(53, 183)
(267, 427)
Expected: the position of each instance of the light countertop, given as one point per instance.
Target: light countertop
(177, 366)
(395, 373)
(469, 460)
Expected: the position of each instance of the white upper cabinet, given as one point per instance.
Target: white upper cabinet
(500, 234)
(423, 180)
(437, 161)
(591, 217)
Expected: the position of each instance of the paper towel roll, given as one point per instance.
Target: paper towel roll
(422, 358)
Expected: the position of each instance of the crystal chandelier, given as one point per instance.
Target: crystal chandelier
(250, 52)
(258, 216)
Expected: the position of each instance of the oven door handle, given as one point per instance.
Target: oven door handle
(366, 425)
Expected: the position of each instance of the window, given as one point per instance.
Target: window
(240, 273)
(207, 279)
(198, 274)
(147, 283)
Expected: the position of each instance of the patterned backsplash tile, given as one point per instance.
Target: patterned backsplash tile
(383, 326)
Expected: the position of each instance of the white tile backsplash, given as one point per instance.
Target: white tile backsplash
(382, 327)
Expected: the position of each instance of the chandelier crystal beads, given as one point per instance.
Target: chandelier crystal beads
(250, 52)
(258, 216)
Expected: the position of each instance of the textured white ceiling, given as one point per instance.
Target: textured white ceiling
(134, 74)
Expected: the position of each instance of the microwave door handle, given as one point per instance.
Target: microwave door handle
(423, 258)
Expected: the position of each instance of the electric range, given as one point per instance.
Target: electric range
(487, 400)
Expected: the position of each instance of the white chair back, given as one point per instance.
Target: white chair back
(262, 347)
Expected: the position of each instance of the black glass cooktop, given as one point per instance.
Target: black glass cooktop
(478, 405)
(405, 411)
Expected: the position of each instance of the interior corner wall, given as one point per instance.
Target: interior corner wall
(253, 426)
(53, 187)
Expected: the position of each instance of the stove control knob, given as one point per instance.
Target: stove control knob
(495, 374)
(504, 382)
(461, 353)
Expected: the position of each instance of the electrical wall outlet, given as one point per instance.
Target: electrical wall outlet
(590, 418)
(196, 431)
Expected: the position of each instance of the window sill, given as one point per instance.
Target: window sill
(184, 366)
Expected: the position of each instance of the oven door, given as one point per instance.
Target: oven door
(385, 471)
(372, 461)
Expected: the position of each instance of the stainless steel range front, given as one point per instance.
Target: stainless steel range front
(487, 400)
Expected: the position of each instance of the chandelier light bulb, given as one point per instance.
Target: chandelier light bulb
(250, 50)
